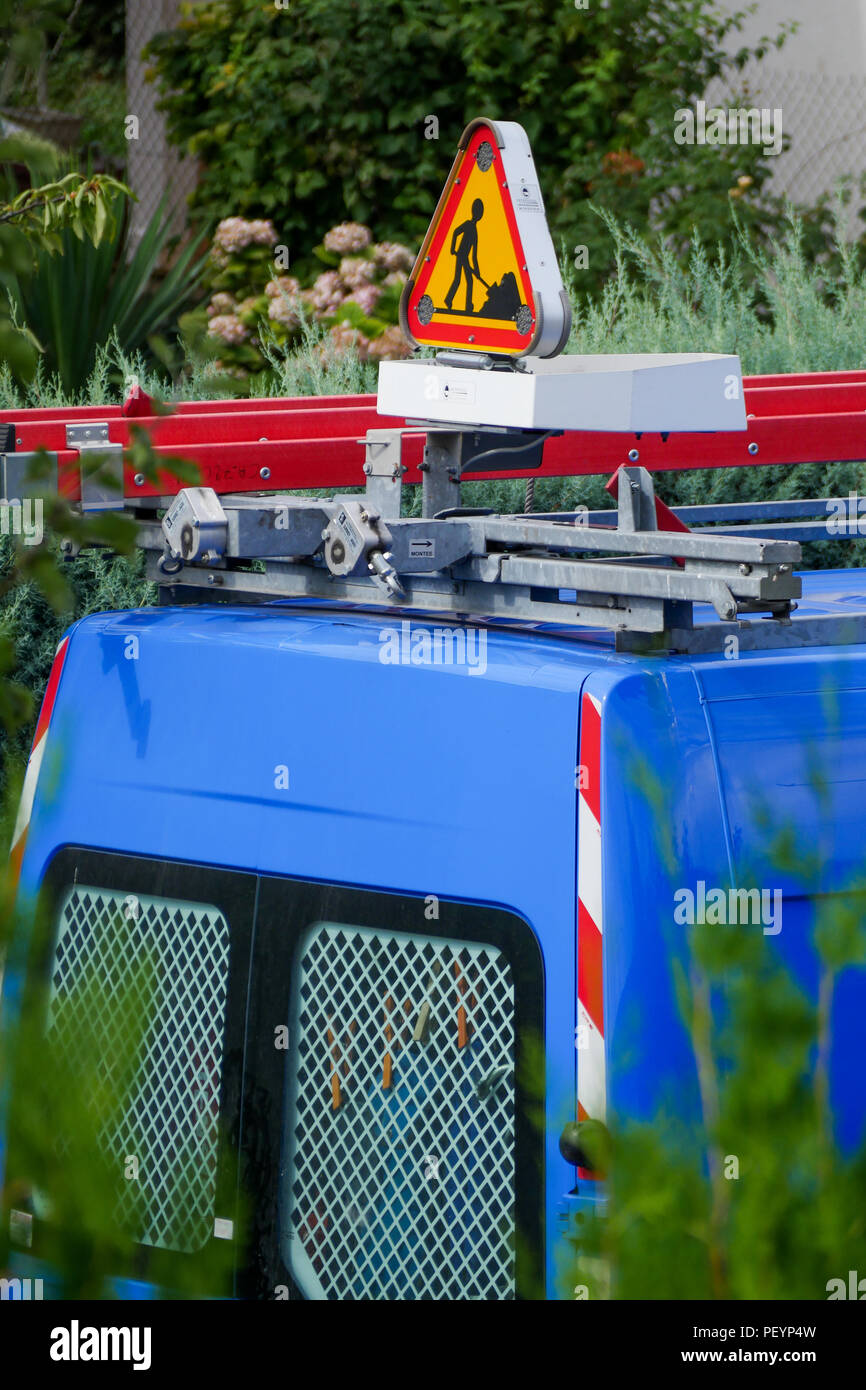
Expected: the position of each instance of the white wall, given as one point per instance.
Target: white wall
(831, 37)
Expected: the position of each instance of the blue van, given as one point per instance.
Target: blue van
(403, 887)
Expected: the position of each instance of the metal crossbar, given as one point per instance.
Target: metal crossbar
(632, 578)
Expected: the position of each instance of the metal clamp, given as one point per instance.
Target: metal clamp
(196, 527)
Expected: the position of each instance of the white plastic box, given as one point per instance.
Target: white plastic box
(616, 392)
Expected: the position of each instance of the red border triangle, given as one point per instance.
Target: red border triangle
(474, 334)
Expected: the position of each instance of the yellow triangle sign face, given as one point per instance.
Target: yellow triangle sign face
(486, 278)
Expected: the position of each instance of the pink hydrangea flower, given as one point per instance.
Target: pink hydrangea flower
(366, 298)
(221, 303)
(355, 271)
(263, 232)
(391, 255)
(283, 284)
(327, 292)
(228, 328)
(235, 233)
(283, 311)
(348, 237)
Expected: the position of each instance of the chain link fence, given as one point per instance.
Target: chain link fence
(824, 114)
(155, 170)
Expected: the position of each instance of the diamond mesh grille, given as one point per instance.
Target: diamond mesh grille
(402, 1118)
(164, 962)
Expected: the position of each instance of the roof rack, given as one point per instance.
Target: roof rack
(638, 570)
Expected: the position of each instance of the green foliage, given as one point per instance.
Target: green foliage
(17, 347)
(32, 225)
(27, 27)
(316, 366)
(69, 53)
(92, 292)
(87, 207)
(318, 111)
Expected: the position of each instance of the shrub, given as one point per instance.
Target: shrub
(81, 293)
(304, 115)
(355, 297)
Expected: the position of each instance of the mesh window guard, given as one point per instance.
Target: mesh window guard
(164, 961)
(401, 1123)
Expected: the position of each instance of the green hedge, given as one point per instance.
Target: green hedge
(316, 111)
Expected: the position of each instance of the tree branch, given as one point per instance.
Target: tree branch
(31, 207)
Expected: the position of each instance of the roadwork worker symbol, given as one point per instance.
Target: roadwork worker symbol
(464, 247)
(502, 300)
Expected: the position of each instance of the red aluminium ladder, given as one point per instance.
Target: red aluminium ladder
(280, 444)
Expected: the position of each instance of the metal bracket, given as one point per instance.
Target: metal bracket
(356, 540)
(196, 527)
(636, 501)
(102, 481)
(16, 482)
(483, 361)
(448, 454)
(383, 465)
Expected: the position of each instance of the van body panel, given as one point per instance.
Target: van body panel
(285, 742)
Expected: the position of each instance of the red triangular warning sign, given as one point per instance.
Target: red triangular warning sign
(486, 278)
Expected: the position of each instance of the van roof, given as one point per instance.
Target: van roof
(833, 593)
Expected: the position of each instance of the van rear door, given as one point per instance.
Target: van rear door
(791, 741)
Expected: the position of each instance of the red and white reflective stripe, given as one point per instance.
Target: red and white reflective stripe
(591, 1097)
(37, 752)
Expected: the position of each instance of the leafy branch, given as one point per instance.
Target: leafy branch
(86, 205)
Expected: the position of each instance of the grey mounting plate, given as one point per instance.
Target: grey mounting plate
(102, 473)
(101, 469)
